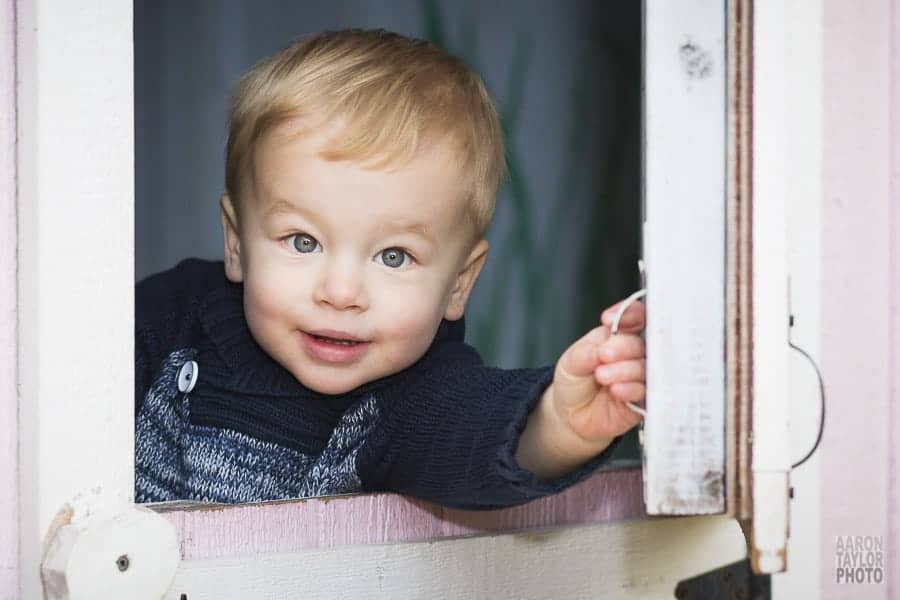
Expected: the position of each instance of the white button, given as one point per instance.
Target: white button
(187, 376)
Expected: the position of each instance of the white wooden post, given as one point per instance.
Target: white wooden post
(771, 460)
(803, 63)
(9, 435)
(684, 254)
(75, 257)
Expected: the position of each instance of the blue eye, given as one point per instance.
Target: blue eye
(304, 243)
(393, 257)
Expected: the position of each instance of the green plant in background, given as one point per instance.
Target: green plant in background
(553, 314)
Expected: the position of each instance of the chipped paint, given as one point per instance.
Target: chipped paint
(713, 483)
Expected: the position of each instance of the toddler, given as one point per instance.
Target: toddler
(326, 354)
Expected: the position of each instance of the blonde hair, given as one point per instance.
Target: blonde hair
(392, 93)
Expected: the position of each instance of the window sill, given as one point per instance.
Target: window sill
(219, 531)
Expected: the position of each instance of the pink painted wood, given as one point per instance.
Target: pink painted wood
(250, 529)
(893, 542)
(9, 472)
(859, 287)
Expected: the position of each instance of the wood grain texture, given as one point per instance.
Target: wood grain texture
(625, 561)
(739, 317)
(219, 532)
(9, 435)
(770, 456)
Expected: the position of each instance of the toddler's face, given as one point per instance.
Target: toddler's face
(348, 271)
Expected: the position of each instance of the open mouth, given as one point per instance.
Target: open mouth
(329, 340)
(342, 348)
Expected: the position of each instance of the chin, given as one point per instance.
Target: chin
(330, 385)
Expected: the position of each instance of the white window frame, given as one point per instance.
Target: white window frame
(67, 295)
(684, 240)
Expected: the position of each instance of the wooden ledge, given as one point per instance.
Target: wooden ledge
(219, 531)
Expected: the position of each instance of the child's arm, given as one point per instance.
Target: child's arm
(453, 433)
(585, 408)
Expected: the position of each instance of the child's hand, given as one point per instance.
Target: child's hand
(585, 407)
(598, 374)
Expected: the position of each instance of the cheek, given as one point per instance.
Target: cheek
(412, 319)
(268, 299)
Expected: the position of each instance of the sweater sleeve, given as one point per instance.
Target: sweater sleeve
(449, 435)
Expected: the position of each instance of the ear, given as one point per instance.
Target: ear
(233, 269)
(465, 280)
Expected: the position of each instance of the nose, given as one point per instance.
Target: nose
(341, 287)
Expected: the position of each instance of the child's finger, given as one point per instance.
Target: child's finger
(628, 392)
(622, 347)
(633, 319)
(622, 372)
(581, 358)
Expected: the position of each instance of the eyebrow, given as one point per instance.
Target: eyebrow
(410, 227)
(283, 207)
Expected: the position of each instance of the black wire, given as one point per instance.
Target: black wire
(822, 400)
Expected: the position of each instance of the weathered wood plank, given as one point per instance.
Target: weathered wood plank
(684, 253)
(739, 316)
(217, 532)
(626, 561)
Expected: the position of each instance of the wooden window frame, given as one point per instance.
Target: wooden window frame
(67, 195)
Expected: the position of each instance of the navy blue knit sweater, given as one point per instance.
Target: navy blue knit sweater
(444, 430)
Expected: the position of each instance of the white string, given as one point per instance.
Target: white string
(615, 329)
